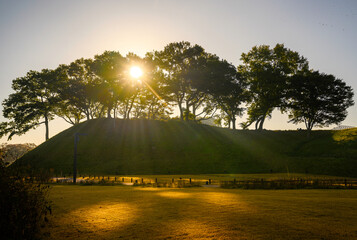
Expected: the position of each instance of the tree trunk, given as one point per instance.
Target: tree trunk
(261, 123)
(131, 106)
(194, 112)
(257, 123)
(309, 127)
(47, 128)
(108, 113)
(234, 122)
(181, 112)
(187, 112)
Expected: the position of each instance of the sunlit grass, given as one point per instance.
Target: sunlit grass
(345, 135)
(105, 216)
(121, 212)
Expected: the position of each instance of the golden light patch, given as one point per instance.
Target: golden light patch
(105, 216)
(174, 194)
(150, 189)
(226, 200)
(345, 135)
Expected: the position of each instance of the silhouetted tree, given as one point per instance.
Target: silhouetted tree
(180, 62)
(318, 99)
(227, 89)
(78, 92)
(33, 103)
(150, 102)
(266, 71)
(109, 69)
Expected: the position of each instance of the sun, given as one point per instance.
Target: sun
(136, 72)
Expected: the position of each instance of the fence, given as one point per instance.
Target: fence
(292, 184)
(298, 183)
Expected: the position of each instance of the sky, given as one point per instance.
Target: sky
(43, 34)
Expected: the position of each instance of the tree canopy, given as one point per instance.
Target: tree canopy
(33, 103)
(266, 71)
(182, 77)
(318, 99)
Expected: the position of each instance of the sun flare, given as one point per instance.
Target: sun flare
(136, 72)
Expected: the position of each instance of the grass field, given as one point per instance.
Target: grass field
(123, 212)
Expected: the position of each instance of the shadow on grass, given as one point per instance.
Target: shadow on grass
(146, 213)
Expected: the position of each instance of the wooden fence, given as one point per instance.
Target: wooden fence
(292, 184)
(298, 183)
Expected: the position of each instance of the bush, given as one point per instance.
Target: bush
(23, 204)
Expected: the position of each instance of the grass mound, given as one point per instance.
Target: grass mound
(174, 147)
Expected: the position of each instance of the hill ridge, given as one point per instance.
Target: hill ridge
(175, 147)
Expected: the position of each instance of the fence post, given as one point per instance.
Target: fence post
(234, 181)
(209, 181)
(190, 181)
(131, 180)
(142, 180)
(173, 180)
(155, 180)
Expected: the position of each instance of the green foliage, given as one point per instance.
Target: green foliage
(183, 65)
(12, 152)
(266, 71)
(23, 204)
(35, 98)
(77, 92)
(318, 99)
(227, 89)
(182, 75)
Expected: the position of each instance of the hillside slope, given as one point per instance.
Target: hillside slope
(173, 147)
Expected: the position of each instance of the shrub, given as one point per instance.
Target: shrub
(23, 204)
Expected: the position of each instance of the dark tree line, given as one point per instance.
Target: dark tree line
(183, 76)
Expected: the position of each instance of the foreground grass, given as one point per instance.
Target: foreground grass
(121, 212)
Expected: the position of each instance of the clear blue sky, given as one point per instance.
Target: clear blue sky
(42, 34)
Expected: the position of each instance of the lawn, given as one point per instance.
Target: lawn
(125, 212)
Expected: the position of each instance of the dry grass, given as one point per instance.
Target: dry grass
(122, 212)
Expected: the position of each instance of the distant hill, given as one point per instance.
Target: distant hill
(174, 147)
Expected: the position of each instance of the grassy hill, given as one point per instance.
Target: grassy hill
(173, 147)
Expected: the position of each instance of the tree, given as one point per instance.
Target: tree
(150, 102)
(77, 92)
(110, 72)
(227, 88)
(267, 71)
(318, 99)
(180, 62)
(34, 100)
(12, 152)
